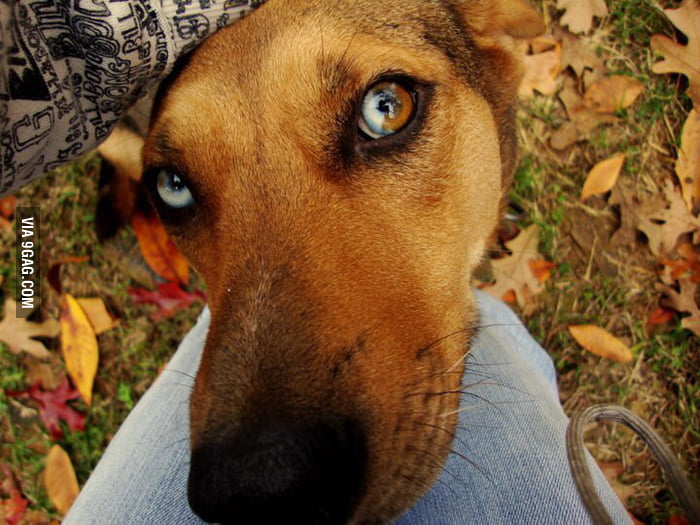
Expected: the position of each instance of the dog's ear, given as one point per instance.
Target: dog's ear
(493, 19)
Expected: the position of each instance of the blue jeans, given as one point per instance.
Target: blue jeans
(510, 464)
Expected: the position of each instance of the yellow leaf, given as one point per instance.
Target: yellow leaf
(688, 163)
(613, 93)
(600, 342)
(79, 346)
(60, 480)
(603, 176)
(97, 314)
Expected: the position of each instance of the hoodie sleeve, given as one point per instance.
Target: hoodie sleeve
(70, 68)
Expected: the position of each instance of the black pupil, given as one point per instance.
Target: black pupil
(386, 103)
(176, 183)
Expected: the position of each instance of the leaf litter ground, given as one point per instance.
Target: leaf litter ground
(593, 266)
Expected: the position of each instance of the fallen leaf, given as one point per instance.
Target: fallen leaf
(53, 407)
(12, 508)
(169, 298)
(542, 270)
(59, 480)
(97, 314)
(584, 118)
(513, 272)
(603, 176)
(39, 371)
(7, 206)
(18, 333)
(660, 316)
(677, 519)
(612, 472)
(679, 58)
(687, 266)
(683, 301)
(612, 93)
(54, 273)
(663, 226)
(577, 52)
(158, 249)
(600, 342)
(688, 163)
(79, 346)
(578, 16)
(541, 72)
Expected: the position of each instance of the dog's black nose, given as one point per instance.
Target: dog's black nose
(308, 475)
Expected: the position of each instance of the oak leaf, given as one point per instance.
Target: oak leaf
(688, 163)
(158, 249)
(53, 407)
(60, 480)
(79, 346)
(541, 72)
(579, 14)
(514, 272)
(18, 333)
(663, 226)
(600, 342)
(603, 176)
(677, 57)
(685, 266)
(683, 301)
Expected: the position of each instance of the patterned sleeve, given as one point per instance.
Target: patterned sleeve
(69, 69)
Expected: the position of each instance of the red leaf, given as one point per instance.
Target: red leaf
(169, 298)
(12, 509)
(7, 206)
(660, 316)
(53, 406)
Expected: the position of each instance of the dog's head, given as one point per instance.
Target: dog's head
(333, 171)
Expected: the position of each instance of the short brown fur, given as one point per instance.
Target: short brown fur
(338, 271)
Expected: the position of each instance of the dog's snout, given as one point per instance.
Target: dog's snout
(274, 475)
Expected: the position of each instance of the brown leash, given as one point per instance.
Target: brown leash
(576, 451)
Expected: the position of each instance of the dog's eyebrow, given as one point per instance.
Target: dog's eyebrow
(162, 143)
(335, 75)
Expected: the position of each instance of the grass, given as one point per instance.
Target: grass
(592, 283)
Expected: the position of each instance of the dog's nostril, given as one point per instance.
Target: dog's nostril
(311, 475)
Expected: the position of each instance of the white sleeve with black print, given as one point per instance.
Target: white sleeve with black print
(70, 68)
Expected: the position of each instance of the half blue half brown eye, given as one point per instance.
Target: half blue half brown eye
(387, 108)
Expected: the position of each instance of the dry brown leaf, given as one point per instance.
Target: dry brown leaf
(579, 14)
(60, 480)
(17, 333)
(79, 347)
(578, 54)
(663, 226)
(603, 176)
(600, 342)
(514, 272)
(541, 72)
(583, 117)
(688, 163)
(684, 302)
(613, 93)
(97, 314)
(679, 58)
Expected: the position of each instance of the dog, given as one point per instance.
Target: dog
(334, 171)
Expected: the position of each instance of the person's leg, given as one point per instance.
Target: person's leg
(509, 464)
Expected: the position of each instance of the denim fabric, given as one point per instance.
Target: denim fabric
(510, 464)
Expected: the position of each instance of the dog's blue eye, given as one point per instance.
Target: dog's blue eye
(387, 107)
(173, 191)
